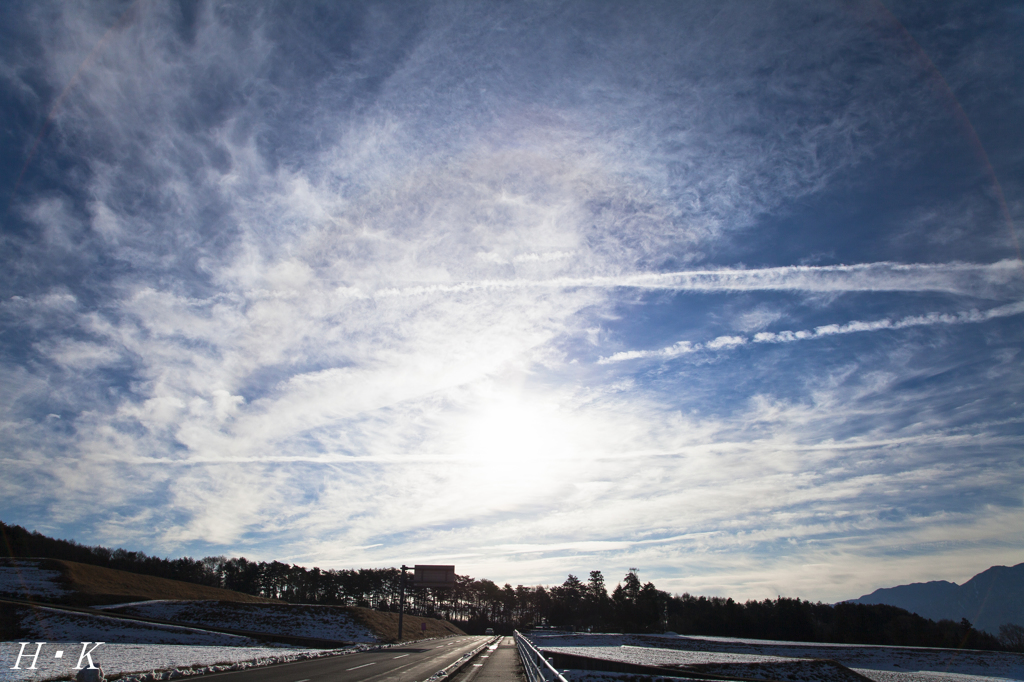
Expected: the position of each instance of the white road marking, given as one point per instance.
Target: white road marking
(402, 656)
(386, 673)
(305, 680)
(362, 666)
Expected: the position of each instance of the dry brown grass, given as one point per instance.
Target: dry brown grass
(385, 625)
(98, 585)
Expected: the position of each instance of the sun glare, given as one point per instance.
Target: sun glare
(507, 441)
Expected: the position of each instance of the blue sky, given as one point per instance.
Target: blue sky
(729, 292)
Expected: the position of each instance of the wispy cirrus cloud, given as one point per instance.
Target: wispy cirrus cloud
(959, 278)
(857, 326)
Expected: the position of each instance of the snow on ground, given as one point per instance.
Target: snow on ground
(924, 676)
(301, 620)
(600, 676)
(880, 663)
(43, 624)
(144, 662)
(707, 662)
(639, 655)
(23, 577)
(897, 659)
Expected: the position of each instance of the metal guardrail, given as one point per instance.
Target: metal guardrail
(538, 668)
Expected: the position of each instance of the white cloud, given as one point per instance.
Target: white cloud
(757, 319)
(996, 279)
(788, 336)
(82, 355)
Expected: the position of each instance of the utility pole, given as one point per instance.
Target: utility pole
(401, 601)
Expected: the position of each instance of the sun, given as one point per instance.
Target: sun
(507, 440)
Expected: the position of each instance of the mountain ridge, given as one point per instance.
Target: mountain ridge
(991, 598)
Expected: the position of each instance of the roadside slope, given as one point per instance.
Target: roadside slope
(384, 624)
(98, 585)
(313, 621)
(68, 582)
(327, 622)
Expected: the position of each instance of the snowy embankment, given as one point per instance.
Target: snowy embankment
(24, 578)
(44, 624)
(299, 620)
(146, 662)
(720, 655)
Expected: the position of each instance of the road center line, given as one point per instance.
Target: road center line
(361, 666)
(402, 656)
(387, 674)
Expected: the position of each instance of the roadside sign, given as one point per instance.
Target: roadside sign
(423, 628)
(433, 576)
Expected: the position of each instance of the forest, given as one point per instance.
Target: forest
(476, 604)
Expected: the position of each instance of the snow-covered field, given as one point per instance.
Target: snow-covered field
(642, 655)
(301, 620)
(23, 577)
(43, 624)
(747, 666)
(894, 659)
(718, 654)
(144, 662)
(926, 676)
(599, 676)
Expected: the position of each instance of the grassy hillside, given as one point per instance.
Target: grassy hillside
(385, 625)
(92, 585)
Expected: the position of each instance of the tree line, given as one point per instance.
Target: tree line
(631, 606)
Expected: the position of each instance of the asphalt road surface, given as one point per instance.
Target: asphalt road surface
(409, 663)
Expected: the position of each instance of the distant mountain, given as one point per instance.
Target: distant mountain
(988, 600)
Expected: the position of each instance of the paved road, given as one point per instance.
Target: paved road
(411, 663)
